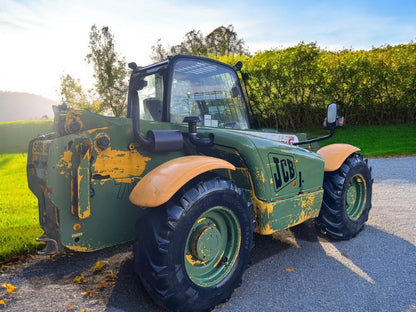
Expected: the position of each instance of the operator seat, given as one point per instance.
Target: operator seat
(154, 108)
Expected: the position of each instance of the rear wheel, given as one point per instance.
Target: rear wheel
(191, 253)
(347, 199)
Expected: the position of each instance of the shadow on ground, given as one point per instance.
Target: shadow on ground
(318, 282)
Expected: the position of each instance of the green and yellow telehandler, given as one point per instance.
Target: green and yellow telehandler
(186, 178)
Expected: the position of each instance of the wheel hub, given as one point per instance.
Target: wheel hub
(356, 199)
(212, 246)
(205, 246)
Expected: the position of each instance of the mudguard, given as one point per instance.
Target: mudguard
(335, 154)
(160, 184)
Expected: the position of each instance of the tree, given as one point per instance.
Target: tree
(194, 44)
(159, 52)
(221, 41)
(73, 94)
(224, 41)
(110, 71)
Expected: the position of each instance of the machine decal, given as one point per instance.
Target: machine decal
(281, 137)
(283, 170)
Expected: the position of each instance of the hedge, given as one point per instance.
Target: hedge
(290, 88)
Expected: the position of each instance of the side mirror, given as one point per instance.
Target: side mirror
(331, 114)
(333, 121)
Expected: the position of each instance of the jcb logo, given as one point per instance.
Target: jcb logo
(283, 170)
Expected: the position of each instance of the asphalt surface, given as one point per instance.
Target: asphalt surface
(375, 271)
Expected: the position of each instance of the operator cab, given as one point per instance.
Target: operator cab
(185, 86)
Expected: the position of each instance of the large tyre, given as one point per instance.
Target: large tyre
(190, 253)
(347, 199)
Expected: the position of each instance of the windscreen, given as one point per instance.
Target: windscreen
(210, 91)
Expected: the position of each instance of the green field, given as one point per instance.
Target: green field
(15, 135)
(19, 224)
(376, 141)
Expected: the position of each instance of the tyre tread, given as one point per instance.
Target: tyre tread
(152, 252)
(332, 219)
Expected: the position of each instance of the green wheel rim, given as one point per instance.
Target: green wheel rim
(356, 197)
(212, 246)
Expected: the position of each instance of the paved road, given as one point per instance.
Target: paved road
(376, 271)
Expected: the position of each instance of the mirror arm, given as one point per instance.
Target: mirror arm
(332, 128)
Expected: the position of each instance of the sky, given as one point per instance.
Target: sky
(41, 40)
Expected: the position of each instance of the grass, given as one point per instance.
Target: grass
(19, 223)
(15, 135)
(375, 141)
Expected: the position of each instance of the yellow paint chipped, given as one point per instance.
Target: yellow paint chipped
(262, 178)
(264, 230)
(65, 161)
(202, 219)
(77, 248)
(310, 208)
(308, 201)
(269, 214)
(305, 215)
(85, 214)
(71, 117)
(121, 166)
(97, 129)
(261, 208)
(261, 205)
(81, 203)
(193, 261)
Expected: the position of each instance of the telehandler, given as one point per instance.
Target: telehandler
(186, 178)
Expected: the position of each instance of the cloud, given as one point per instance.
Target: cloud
(43, 39)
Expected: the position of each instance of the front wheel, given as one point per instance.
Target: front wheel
(191, 253)
(347, 199)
